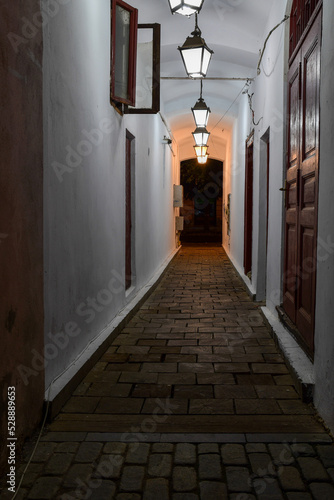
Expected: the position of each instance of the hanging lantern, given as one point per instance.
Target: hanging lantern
(195, 54)
(201, 111)
(202, 159)
(201, 136)
(185, 7)
(201, 150)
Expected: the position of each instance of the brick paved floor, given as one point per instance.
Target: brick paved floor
(191, 401)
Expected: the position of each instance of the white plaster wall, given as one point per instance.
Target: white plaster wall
(268, 105)
(324, 318)
(85, 205)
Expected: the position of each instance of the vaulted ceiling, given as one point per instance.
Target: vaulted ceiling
(234, 29)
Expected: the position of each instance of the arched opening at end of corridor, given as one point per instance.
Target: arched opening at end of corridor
(202, 207)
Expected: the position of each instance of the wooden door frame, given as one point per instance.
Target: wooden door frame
(248, 203)
(128, 210)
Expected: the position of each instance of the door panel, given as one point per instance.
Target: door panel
(302, 185)
(248, 218)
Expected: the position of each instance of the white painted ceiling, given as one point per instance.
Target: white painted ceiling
(234, 29)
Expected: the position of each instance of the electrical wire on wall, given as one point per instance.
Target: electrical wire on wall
(245, 89)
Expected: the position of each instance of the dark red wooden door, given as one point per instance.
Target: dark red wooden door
(128, 213)
(302, 186)
(248, 220)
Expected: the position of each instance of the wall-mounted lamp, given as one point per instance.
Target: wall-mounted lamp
(167, 140)
(201, 111)
(185, 7)
(195, 54)
(201, 136)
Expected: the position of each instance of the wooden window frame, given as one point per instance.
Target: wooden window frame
(155, 74)
(131, 90)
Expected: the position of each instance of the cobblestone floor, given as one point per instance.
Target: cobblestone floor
(191, 401)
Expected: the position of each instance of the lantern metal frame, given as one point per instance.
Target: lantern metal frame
(196, 43)
(185, 7)
(201, 110)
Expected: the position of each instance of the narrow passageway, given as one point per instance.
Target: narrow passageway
(191, 401)
(200, 342)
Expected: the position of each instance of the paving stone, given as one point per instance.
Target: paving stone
(45, 487)
(232, 367)
(105, 491)
(137, 453)
(290, 479)
(302, 450)
(110, 390)
(208, 448)
(241, 496)
(109, 466)
(177, 378)
(156, 488)
(256, 448)
(213, 490)
(331, 473)
(295, 407)
(262, 464)
(59, 463)
(235, 392)
(79, 404)
(233, 454)
(238, 479)
(162, 448)
(128, 496)
(114, 448)
(119, 405)
(251, 379)
(312, 469)
(193, 391)
(215, 378)
(185, 454)
(195, 367)
(77, 471)
(139, 378)
(44, 452)
(160, 465)
(267, 489)
(281, 453)
(298, 496)
(185, 496)
(257, 407)
(326, 454)
(211, 406)
(151, 391)
(88, 452)
(132, 478)
(184, 478)
(322, 491)
(67, 447)
(159, 367)
(166, 406)
(209, 467)
(276, 391)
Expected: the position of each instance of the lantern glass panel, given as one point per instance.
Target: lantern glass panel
(192, 61)
(185, 7)
(201, 117)
(201, 150)
(206, 60)
(202, 159)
